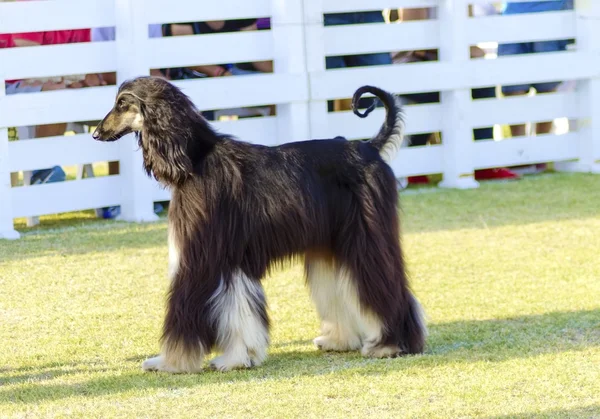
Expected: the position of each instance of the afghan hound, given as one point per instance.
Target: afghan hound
(239, 208)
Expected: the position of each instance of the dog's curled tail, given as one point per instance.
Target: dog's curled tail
(391, 135)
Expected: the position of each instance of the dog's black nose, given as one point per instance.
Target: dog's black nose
(96, 134)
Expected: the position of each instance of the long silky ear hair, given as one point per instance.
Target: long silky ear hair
(165, 140)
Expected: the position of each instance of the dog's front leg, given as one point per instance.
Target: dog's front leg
(188, 334)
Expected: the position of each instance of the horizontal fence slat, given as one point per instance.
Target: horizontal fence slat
(523, 27)
(33, 16)
(546, 67)
(518, 110)
(250, 90)
(367, 38)
(58, 60)
(341, 6)
(68, 105)
(236, 47)
(201, 11)
(61, 151)
(418, 161)
(440, 76)
(529, 150)
(483, 113)
(418, 118)
(94, 103)
(81, 148)
(52, 198)
(398, 78)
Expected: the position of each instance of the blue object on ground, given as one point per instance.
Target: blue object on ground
(113, 212)
(54, 174)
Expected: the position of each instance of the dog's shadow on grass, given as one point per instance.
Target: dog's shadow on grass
(493, 340)
(44, 373)
(592, 411)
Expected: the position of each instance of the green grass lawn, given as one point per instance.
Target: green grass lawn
(509, 276)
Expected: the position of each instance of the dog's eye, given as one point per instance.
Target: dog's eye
(121, 105)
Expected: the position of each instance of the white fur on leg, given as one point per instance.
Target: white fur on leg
(421, 316)
(175, 359)
(241, 332)
(158, 364)
(372, 348)
(174, 255)
(345, 323)
(153, 364)
(381, 351)
(369, 326)
(338, 327)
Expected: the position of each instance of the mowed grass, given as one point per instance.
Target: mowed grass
(508, 275)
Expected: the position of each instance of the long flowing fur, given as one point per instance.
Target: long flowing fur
(239, 208)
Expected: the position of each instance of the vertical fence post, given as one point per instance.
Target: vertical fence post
(457, 134)
(7, 229)
(132, 45)
(315, 63)
(588, 92)
(287, 25)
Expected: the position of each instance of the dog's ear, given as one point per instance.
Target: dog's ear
(165, 144)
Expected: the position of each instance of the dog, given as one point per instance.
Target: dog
(238, 209)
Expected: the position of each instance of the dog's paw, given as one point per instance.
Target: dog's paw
(327, 344)
(225, 363)
(257, 356)
(381, 351)
(159, 364)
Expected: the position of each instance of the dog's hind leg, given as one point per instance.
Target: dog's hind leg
(239, 313)
(391, 320)
(367, 246)
(336, 302)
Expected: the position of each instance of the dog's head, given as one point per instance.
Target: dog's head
(133, 100)
(170, 130)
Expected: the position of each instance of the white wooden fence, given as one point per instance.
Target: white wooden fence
(300, 87)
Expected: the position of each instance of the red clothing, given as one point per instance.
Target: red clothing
(47, 38)
(56, 37)
(6, 41)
